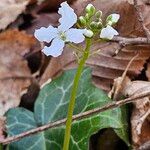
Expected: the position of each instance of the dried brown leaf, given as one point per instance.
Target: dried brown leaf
(13, 46)
(44, 19)
(140, 118)
(51, 5)
(9, 11)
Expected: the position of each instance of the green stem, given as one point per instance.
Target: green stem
(73, 94)
(1, 147)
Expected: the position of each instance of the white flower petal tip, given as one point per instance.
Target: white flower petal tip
(115, 18)
(108, 33)
(39, 34)
(90, 7)
(88, 33)
(68, 17)
(75, 35)
(55, 49)
(46, 34)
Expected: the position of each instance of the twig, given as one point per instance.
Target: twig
(141, 20)
(119, 82)
(127, 40)
(17, 78)
(86, 114)
(123, 41)
(133, 41)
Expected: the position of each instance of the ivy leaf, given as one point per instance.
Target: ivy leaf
(20, 120)
(52, 105)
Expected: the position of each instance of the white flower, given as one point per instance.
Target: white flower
(113, 18)
(108, 33)
(64, 32)
(88, 33)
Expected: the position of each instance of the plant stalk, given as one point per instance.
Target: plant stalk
(1, 146)
(73, 94)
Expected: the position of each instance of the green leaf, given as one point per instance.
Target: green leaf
(20, 120)
(52, 105)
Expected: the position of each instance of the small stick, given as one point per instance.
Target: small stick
(86, 114)
(17, 78)
(129, 41)
(119, 83)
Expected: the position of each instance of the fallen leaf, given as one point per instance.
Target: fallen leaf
(41, 20)
(13, 46)
(140, 118)
(10, 10)
(51, 5)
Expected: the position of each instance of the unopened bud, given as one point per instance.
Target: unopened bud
(88, 33)
(90, 9)
(109, 18)
(93, 25)
(99, 25)
(87, 16)
(96, 25)
(98, 14)
(82, 20)
(97, 20)
(112, 19)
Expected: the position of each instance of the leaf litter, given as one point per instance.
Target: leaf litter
(106, 65)
(10, 10)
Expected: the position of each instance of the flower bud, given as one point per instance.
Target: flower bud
(99, 25)
(112, 19)
(98, 14)
(108, 33)
(109, 18)
(96, 19)
(88, 33)
(96, 25)
(93, 25)
(90, 9)
(87, 17)
(82, 21)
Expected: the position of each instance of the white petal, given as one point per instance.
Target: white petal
(46, 34)
(75, 35)
(115, 18)
(108, 33)
(68, 19)
(88, 33)
(55, 49)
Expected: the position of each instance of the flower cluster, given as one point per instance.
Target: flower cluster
(108, 32)
(93, 21)
(90, 24)
(64, 32)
